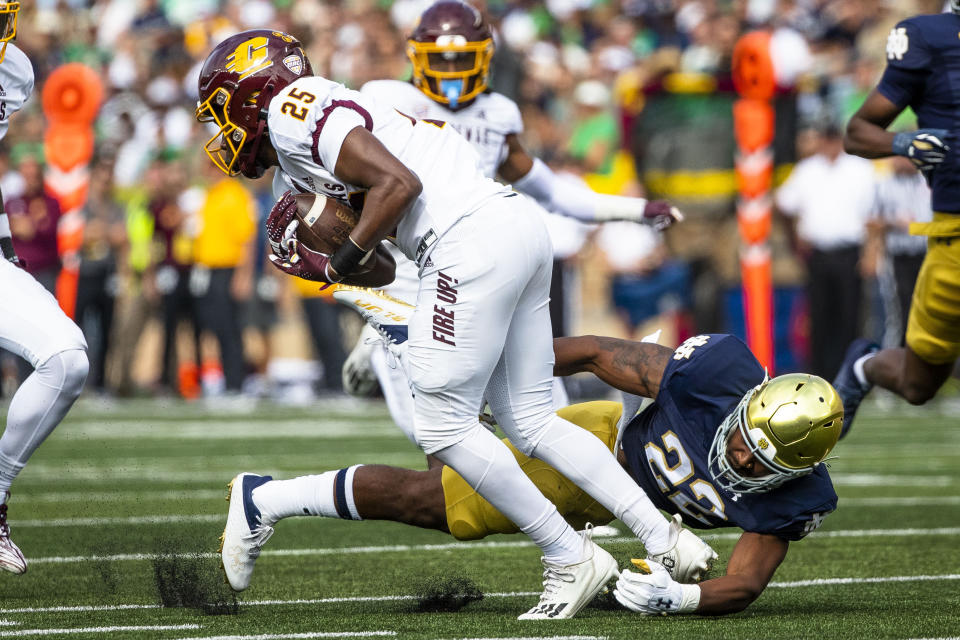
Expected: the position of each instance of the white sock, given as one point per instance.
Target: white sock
(858, 369)
(488, 466)
(583, 458)
(329, 495)
(37, 408)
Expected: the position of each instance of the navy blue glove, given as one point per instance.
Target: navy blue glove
(926, 148)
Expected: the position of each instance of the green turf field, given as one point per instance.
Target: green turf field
(122, 497)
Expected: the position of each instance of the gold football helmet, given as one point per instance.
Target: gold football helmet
(790, 424)
(8, 24)
(451, 48)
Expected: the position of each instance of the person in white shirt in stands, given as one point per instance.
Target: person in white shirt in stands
(828, 199)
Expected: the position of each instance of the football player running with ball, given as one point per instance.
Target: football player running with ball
(923, 70)
(481, 326)
(720, 443)
(32, 325)
(451, 50)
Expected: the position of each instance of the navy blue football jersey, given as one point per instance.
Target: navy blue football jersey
(923, 72)
(668, 444)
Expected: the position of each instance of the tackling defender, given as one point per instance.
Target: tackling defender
(721, 444)
(481, 326)
(450, 50)
(923, 71)
(32, 325)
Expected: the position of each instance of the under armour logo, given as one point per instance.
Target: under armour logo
(550, 610)
(662, 603)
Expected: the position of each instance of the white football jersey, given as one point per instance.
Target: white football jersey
(485, 123)
(309, 120)
(16, 84)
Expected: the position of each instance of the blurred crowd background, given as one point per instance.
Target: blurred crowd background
(634, 96)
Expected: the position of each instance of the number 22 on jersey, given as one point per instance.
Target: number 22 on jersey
(680, 473)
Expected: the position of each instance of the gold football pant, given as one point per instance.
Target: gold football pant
(470, 517)
(933, 329)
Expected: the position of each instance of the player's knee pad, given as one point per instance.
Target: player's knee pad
(526, 431)
(432, 435)
(65, 371)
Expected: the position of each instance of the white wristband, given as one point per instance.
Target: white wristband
(690, 599)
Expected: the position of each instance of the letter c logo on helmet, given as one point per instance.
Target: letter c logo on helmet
(237, 82)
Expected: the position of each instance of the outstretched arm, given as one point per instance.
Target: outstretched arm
(634, 367)
(535, 179)
(752, 564)
(652, 591)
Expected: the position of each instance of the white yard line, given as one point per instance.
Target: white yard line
(887, 480)
(87, 497)
(126, 520)
(539, 638)
(19, 633)
(308, 634)
(900, 501)
(319, 429)
(845, 581)
(510, 594)
(468, 546)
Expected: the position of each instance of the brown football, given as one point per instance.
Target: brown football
(326, 223)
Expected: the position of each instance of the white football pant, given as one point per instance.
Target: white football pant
(33, 326)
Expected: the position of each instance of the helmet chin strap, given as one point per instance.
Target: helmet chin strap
(451, 90)
(249, 166)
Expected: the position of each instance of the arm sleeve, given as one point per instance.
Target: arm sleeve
(576, 200)
(909, 61)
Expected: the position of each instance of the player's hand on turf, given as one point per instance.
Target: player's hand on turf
(651, 592)
(926, 148)
(660, 214)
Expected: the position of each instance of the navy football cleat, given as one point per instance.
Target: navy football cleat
(846, 383)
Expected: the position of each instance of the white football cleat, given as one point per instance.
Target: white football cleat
(689, 559)
(11, 558)
(245, 534)
(386, 314)
(568, 589)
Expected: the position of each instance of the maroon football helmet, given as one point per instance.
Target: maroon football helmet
(451, 48)
(238, 80)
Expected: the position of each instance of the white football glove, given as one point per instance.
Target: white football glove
(357, 372)
(653, 592)
(689, 559)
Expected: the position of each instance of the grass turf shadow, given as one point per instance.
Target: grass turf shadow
(191, 581)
